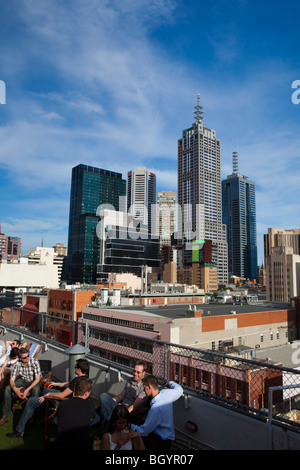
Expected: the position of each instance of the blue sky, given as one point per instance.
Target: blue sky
(113, 84)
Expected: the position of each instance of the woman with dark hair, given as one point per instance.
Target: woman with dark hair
(119, 435)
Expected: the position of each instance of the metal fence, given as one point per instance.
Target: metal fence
(229, 379)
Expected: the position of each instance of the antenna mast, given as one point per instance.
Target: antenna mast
(198, 113)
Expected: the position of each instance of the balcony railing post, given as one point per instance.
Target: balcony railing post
(87, 335)
(42, 324)
(166, 362)
(270, 409)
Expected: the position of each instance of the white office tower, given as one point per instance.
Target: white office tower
(141, 197)
(200, 191)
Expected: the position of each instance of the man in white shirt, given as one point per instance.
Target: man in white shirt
(158, 429)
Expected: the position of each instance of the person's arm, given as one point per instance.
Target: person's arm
(175, 391)
(150, 423)
(58, 384)
(138, 402)
(2, 368)
(14, 388)
(105, 444)
(35, 365)
(56, 395)
(33, 384)
(137, 440)
(4, 365)
(119, 398)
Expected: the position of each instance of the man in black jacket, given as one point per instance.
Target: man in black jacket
(75, 416)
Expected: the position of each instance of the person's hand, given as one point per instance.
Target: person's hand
(52, 384)
(123, 440)
(19, 392)
(42, 399)
(132, 434)
(25, 393)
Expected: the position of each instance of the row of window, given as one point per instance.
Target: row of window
(125, 341)
(262, 338)
(118, 359)
(120, 321)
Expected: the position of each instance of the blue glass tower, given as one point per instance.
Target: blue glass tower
(239, 216)
(90, 187)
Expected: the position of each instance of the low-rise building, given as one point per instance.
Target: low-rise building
(239, 328)
(193, 345)
(65, 305)
(28, 276)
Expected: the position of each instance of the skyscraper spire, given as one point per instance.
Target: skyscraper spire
(198, 113)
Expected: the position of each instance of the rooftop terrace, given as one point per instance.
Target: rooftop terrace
(234, 403)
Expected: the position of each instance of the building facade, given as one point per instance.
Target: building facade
(166, 216)
(199, 190)
(239, 216)
(47, 256)
(126, 250)
(141, 197)
(10, 247)
(90, 187)
(126, 336)
(64, 305)
(282, 264)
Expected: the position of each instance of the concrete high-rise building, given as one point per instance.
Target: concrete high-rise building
(199, 191)
(282, 237)
(239, 216)
(10, 247)
(282, 264)
(141, 197)
(90, 187)
(166, 216)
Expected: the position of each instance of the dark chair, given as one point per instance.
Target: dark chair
(51, 410)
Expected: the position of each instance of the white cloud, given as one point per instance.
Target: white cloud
(89, 84)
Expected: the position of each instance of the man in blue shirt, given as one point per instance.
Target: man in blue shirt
(158, 429)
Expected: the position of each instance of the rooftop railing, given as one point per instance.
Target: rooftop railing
(243, 384)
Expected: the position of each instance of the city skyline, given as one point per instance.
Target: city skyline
(112, 85)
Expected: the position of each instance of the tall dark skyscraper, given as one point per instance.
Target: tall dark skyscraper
(239, 216)
(90, 187)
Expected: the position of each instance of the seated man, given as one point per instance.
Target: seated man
(81, 369)
(24, 380)
(158, 429)
(74, 418)
(132, 396)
